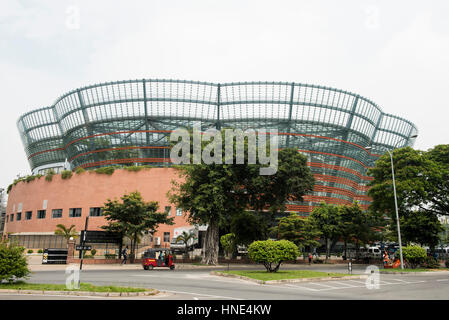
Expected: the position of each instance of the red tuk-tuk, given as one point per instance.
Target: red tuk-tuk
(154, 258)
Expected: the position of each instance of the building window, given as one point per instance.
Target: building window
(178, 211)
(96, 212)
(7, 218)
(41, 214)
(28, 215)
(19, 216)
(56, 213)
(12, 217)
(74, 212)
(168, 210)
(166, 236)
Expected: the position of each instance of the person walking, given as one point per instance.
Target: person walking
(125, 255)
(310, 258)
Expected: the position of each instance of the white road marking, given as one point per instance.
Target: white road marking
(442, 279)
(361, 282)
(297, 287)
(58, 295)
(401, 280)
(386, 282)
(201, 294)
(346, 284)
(324, 285)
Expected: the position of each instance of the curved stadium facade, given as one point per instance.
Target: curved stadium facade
(126, 122)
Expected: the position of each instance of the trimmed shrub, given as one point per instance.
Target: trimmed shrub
(30, 178)
(105, 170)
(431, 263)
(40, 251)
(133, 168)
(30, 251)
(79, 170)
(13, 262)
(272, 253)
(49, 175)
(228, 243)
(415, 255)
(93, 252)
(66, 174)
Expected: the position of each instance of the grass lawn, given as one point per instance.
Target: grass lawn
(283, 274)
(413, 270)
(61, 287)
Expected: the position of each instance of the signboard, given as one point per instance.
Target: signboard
(54, 256)
(83, 248)
(101, 237)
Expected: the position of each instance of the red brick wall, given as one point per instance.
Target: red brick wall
(87, 190)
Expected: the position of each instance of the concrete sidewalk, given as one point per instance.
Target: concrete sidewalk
(128, 266)
(35, 264)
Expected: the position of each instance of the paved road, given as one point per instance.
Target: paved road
(199, 285)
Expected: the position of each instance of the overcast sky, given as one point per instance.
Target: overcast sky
(395, 53)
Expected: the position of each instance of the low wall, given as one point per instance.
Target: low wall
(100, 261)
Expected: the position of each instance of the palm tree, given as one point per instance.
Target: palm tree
(66, 233)
(185, 237)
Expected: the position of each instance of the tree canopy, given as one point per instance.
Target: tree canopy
(422, 181)
(214, 193)
(421, 227)
(132, 216)
(301, 231)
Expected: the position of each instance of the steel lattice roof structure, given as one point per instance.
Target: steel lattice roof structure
(127, 122)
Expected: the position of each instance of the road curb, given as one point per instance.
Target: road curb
(216, 273)
(82, 293)
(416, 273)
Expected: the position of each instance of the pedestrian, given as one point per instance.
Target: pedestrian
(125, 255)
(310, 258)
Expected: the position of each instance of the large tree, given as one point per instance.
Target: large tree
(421, 227)
(214, 193)
(422, 181)
(250, 226)
(325, 217)
(299, 230)
(358, 226)
(132, 216)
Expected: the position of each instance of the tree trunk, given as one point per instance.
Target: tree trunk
(210, 249)
(346, 249)
(327, 248)
(133, 249)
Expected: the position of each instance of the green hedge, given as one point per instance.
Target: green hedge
(414, 255)
(13, 262)
(105, 170)
(66, 174)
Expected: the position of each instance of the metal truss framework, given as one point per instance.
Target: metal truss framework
(126, 122)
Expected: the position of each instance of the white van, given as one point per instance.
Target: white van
(364, 253)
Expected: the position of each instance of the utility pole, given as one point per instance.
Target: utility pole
(82, 242)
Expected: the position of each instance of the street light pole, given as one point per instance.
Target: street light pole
(395, 198)
(396, 209)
